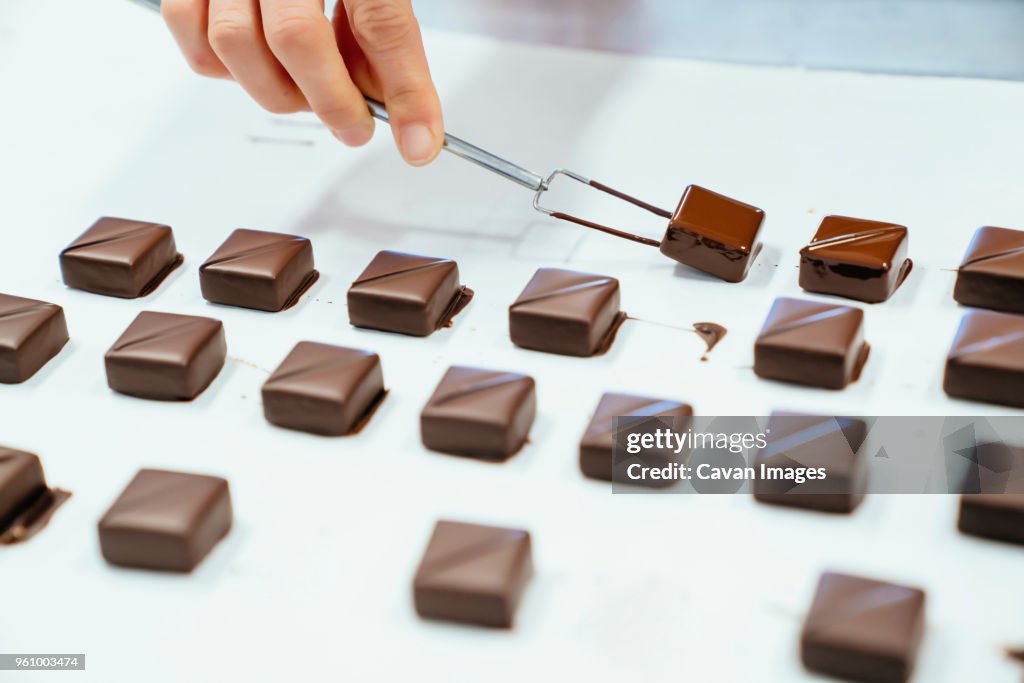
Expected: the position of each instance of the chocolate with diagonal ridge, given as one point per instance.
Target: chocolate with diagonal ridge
(855, 258)
(31, 333)
(992, 272)
(986, 360)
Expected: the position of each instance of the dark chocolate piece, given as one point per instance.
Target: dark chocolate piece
(998, 516)
(796, 442)
(479, 413)
(21, 482)
(267, 271)
(713, 233)
(166, 520)
(863, 629)
(473, 574)
(986, 361)
(806, 342)
(167, 357)
(31, 333)
(856, 259)
(323, 389)
(406, 293)
(119, 257)
(992, 272)
(565, 312)
(597, 447)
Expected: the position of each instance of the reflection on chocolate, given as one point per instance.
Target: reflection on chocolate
(166, 520)
(26, 503)
(565, 312)
(473, 574)
(711, 333)
(119, 257)
(267, 271)
(986, 361)
(715, 234)
(811, 343)
(856, 259)
(31, 333)
(166, 357)
(863, 629)
(992, 272)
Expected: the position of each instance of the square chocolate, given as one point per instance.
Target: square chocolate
(856, 259)
(406, 293)
(323, 389)
(806, 342)
(714, 233)
(267, 271)
(31, 333)
(863, 629)
(21, 482)
(119, 257)
(992, 272)
(597, 447)
(473, 574)
(166, 520)
(986, 361)
(478, 413)
(167, 357)
(565, 312)
(800, 446)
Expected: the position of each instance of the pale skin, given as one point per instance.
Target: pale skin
(289, 57)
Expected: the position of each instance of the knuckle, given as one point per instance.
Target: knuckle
(291, 29)
(287, 102)
(342, 115)
(229, 30)
(381, 24)
(206, 65)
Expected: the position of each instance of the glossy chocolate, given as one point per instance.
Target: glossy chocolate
(323, 389)
(712, 334)
(406, 293)
(267, 271)
(478, 413)
(856, 259)
(992, 272)
(21, 482)
(31, 333)
(119, 257)
(473, 574)
(565, 312)
(715, 234)
(863, 629)
(986, 361)
(811, 343)
(167, 357)
(166, 520)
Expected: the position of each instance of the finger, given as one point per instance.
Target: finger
(303, 41)
(187, 20)
(389, 36)
(236, 36)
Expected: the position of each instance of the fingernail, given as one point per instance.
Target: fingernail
(417, 144)
(355, 136)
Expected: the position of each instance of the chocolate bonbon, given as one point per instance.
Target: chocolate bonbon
(26, 502)
(862, 629)
(566, 312)
(998, 516)
(479, 413)
(166, 356)
(811, 343)
(122, 258)
(407, 293)
(714, 233)
(31, 333)
(473, 574)
(992, 272)
(986, 360)
(855, 258)
(323, 389)
(267, 271)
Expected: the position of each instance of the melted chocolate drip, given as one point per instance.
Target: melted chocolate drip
(711, 333)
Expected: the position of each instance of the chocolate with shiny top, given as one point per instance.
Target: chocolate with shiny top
(122, 258)
(473, 574)
(714, 233)
(992, 272)
(166, 520)
(986, 360)
(21, 482)
(267, 271)
(323, 389)
(566, 312)
(484, 414)
(31, 333)
(811, 343)
(855, 258)
(167, 357)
